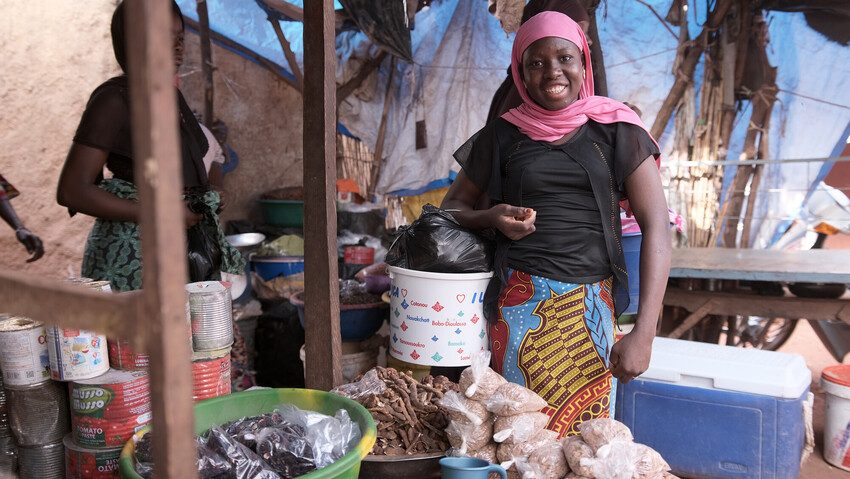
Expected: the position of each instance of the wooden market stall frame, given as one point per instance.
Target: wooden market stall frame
(154, 318)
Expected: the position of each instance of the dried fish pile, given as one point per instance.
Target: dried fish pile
(409, 418)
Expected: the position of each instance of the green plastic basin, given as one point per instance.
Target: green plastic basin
(289, 213)
(223, 409)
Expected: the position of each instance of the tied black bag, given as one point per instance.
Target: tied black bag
(204, 252)
(437, 243)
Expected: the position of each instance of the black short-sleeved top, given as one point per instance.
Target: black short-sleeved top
(575, 204)
(105, 125)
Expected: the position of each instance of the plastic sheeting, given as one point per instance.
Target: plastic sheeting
(461, 55)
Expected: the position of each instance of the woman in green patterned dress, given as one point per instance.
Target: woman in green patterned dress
(103, 138)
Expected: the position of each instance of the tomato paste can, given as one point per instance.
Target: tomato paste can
(38, 413)
(210, 374)
(211, 314)
(43, 462)
(107, 410)
(359, 255)
(123, 356)
(23, 352)
(87, 463)
(76, 354)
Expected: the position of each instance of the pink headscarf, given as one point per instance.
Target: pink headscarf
(541, 124)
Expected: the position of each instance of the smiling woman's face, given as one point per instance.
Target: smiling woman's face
(552, 72)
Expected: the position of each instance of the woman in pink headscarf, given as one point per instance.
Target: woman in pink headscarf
(556, 169)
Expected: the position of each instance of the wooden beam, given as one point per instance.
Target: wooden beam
(242, 50)
(286, 9)
(321, 307)
(70, 305)
(692, 320)
(732, 304)
(288, 53)
(158, 174)
(206, 61)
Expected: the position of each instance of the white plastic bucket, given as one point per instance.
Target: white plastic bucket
(437, 319)
(835, 381)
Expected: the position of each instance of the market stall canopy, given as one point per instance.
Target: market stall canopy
(461, 54)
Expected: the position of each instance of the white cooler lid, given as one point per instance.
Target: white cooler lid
(711, 366)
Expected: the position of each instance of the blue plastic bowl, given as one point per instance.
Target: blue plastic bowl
(357, 322)
(631, 253)
(270, 267)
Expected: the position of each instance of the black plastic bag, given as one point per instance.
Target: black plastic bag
(202, 246)
(437, 243)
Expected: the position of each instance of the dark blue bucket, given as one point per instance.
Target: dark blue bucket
(631, 252)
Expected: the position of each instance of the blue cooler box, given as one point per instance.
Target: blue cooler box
(720, 412)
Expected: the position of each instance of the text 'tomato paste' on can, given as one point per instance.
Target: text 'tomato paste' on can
(38, 413)
(76, 354)
(23, 351)
(87, 463)
(211, 313)
(42, 462)
(210, 374)
(107, 410)
(123, 356)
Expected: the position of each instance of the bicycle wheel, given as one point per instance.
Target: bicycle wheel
(757, 332)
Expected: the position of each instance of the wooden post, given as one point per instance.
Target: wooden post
(321, 285)
(206, 61)
(158, 176)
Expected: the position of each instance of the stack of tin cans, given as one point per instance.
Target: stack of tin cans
(37, 407)
(105, 413)
(211, 314)
(107, 405)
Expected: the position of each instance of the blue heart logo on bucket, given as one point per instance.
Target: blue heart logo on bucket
(469, 468)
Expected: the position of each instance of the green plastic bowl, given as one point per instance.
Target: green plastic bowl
(223, 409)
(289, 213)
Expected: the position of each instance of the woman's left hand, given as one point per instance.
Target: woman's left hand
(630, 356)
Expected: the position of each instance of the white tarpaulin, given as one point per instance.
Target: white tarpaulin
(459, 50)
(461, 55)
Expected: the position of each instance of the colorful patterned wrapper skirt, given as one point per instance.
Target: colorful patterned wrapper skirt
(555, 339)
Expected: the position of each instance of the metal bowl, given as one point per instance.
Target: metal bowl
(245, 240)
(420, 466)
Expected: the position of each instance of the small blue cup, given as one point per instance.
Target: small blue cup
(469, 468)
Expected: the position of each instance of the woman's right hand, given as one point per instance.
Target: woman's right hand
(190, 217)
(513, 221)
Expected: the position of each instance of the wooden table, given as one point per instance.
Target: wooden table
(811, 266)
